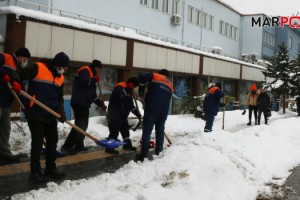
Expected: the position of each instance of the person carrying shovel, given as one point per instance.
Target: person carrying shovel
(83, 95)
(157, 103)
(9, 65)
(46, 81)
(120, 105)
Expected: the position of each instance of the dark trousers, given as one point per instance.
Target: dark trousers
(4, 132)
(117, 122)
(151, 119)
(75, 139)
(209, 121)
(259, 112)
(298, 109)
(254, 110)
(39, 130)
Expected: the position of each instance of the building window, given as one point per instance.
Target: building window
(155, 4)
(205, 20)
(221, 28)
(231, 31)
(190, 14)
(210, 22)
(226, 29)
(198, 17)
(165, 6)
(144, 2)
(176, 7)
(290, 42)
(235, 33)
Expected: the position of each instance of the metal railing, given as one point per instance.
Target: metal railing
(54, 11)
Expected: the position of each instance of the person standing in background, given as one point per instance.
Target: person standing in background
(251, 102)
(263, 105)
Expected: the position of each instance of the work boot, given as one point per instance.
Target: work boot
(128, 146)
(249, 124)
(37, 176)
(9, 159)
(68, 150)
(111, 151)
(54, 173)
(255, 122)
(139, 157)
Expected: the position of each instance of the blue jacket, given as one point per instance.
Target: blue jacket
(45, 86)
(8, 65)
(84, 88)
(212, 101)
(159, 93)
(120, 101)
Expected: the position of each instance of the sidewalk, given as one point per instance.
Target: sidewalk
(14, 178)
(293, 181)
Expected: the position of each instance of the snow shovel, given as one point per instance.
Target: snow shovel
(244, 111)
(104, 143)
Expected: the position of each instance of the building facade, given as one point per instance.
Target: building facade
(198, 41)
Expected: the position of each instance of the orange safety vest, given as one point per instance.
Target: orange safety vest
(158, 78)
(87, 68)
(213, 89)
(9, 62)
(45, 75)
(122, 84)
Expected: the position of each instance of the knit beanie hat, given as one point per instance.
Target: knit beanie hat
(24, 52)
(97, 63)
(61, 59)
(253, 87)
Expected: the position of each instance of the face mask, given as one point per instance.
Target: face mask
(60, 71)
(24, 64)
(130, 85)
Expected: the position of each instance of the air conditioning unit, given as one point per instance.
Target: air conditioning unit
(244, 57)
(216, 50)
(176, 20)
(253, 57)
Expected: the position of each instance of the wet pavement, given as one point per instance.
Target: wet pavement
(13, 183)
(293, 181)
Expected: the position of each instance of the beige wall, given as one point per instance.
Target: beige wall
(153, 57)
(78, 45)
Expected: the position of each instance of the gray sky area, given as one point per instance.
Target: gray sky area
(269, 7)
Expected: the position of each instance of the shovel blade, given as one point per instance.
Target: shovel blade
(110, 143)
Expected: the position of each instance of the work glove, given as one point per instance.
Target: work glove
(97, 78)
(16, 86)
(6, 78)
(141, 90)
(137, 113)
(62, 117)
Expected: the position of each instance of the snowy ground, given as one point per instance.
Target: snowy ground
(230, 164)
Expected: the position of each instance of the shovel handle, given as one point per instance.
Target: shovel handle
(55, 114)
(15, 95)
(170, 142)
(137, 107)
